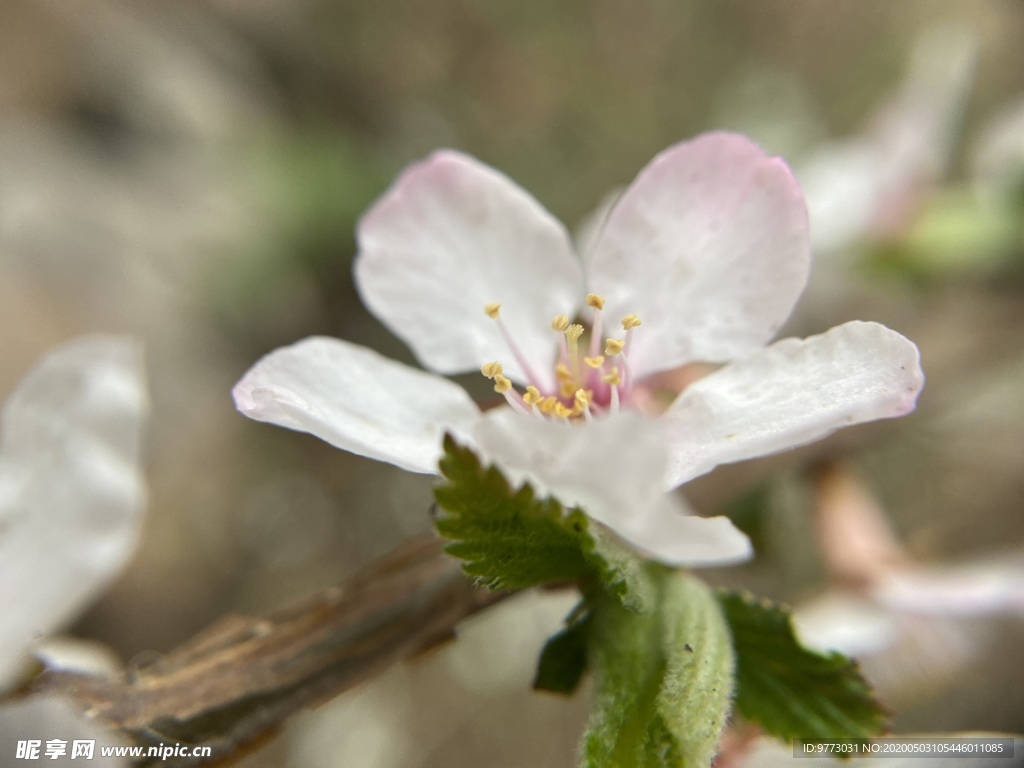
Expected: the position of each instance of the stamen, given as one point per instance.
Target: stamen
(532, 396)
(581, 403)
(629, 322)
(574, 370)
(503, 386)
(490, 370)
(614, 347)
(597, 303)
(492, 311)
(627, 373)
(613, 378)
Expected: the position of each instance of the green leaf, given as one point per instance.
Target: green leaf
(564, 658)
(791, 691)
(664, 677)
(510, 539)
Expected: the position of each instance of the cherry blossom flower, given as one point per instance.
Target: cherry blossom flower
(872, 185)
(912, 625)
(701, 259)
(71, 492)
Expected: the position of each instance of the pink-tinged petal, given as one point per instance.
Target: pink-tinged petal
(613, 469)
(792, 393)
(71, 491)
(356, 400)
(451, 236)
(709, 246)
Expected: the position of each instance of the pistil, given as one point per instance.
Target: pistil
(572, 334)
(578, 375)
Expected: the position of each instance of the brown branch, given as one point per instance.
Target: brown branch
(239, 679)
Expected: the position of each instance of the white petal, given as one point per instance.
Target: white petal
(709, 246)
(846, 622)
(614, 470)
(53, 717)
(845, 183)
(967, 590)
(792, 393)
(451, 236)
(71, 493)
(357, 400)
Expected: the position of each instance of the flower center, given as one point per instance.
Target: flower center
(588, 382)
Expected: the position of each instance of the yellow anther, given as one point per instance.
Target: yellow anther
(574, 331)
(594, 362)
(562, 412)
(490, 370)
(492, 310)
(547, 405)
(614, 347)
(567, 388)
(612, 378)
(502, 384)
(532, 396)
(560, 323)
(595, 301)
(630, 321)
(581, 399)
(562, 372)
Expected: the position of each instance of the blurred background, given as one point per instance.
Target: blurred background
(191, 173)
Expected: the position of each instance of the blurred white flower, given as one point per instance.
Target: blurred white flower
(71, 491)
(701, 259)
(902, 618)
(870, 184)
